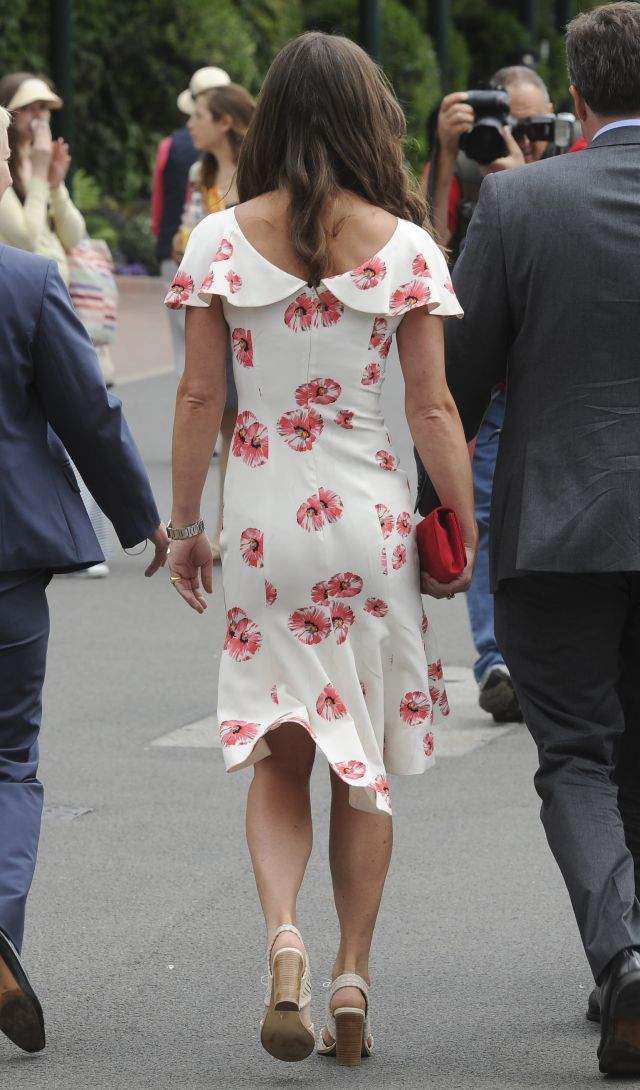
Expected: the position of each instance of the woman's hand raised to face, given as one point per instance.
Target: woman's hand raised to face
(41, 149)
(60, 163)
(189, 562)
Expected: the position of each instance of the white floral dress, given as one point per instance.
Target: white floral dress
(325, 626)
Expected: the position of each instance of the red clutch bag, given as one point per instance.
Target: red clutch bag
(440, 546)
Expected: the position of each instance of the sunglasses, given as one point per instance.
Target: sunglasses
(539, 127)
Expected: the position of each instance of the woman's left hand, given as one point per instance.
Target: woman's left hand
(60, 163)
(189, 562)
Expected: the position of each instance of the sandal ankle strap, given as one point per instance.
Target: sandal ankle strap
(350, 980)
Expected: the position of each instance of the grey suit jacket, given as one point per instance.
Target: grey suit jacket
(51, 389)
(549, 281)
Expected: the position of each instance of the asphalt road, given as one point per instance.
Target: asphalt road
(144, 938)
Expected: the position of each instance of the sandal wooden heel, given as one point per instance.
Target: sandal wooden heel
(283, 1033)
(349, 1036)
(288, 967)
(347, 1032)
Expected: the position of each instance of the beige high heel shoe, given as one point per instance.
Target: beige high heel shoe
(283, 1033)
(348, 1027)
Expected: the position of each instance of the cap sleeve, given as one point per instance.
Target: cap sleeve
(409, 272)
(207, 247)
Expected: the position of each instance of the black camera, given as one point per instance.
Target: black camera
(485, 142)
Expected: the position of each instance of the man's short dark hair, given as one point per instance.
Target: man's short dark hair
(603, 56)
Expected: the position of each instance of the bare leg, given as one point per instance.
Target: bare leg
(279, 831)
(226, 431)
(359, 853)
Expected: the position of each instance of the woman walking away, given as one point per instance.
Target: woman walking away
(217, 126)
(327, 648)
(37, 213)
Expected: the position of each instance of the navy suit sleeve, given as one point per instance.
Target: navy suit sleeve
(88, 419)
(476, 348)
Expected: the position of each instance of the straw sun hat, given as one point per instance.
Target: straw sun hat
(202, 80)
(34, 90)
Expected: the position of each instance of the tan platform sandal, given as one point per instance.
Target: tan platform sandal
(283, 1033)
(347, 1027)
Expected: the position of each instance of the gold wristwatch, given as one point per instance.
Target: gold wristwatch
(182, 533)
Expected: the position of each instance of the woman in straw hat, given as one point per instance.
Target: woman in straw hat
(37, 213)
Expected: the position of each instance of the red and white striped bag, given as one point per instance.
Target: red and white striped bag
(93, 289)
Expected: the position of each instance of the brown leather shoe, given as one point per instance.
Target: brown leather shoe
(619, 1050)
(21, 1018)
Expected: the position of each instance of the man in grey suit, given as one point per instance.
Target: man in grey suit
(51, 389)
(550, 284)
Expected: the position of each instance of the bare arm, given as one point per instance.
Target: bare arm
(199, 406)
(436, 429)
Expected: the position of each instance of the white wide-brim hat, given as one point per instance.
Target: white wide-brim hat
(205, 79)
(34, 90)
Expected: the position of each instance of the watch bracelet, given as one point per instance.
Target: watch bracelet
(183, 533)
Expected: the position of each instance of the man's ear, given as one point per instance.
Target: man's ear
(579, 103)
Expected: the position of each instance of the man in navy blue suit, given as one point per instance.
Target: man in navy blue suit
(52, 400)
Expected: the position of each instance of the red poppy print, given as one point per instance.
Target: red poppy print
(207, 283)
(381, 787)
(328, 309)
(270, 592)
(344, 418)
(237, 732)
(363, 688)
(435, 670)
(242, 344)
(310, 624)
(224, 251)
(415, 708)
(424, 624)
(384, 564)
(244, 421)
(345, 585)
(179, 291)
(409, 296)
(300, 428)
(434, 693)
(299, 314)
(385, 347)
(369, 274)
(310, 514)
(386, 519)
(371, 374)
(252, 443)
(234, 281)
(379, 331)
(443, 704)
(320, 593)
(399, 556)
(386, 460)
(419, 266)
(251, 547)
(350, 770)
(448, 286)
(320, 391)
(331, 504)
(273, 693)
(404, 523)
(429, 744)
(243, 639)
(330, 704)
(377, 607)
(341, 618)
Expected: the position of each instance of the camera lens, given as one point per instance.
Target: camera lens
(485, 142)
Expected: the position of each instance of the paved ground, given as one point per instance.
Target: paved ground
(144, 937)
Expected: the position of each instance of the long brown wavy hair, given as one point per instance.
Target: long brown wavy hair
(235, 102)
(327, 119)
(9, 84)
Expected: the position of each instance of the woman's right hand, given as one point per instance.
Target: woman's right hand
(41, 149)
(458, 586)
(190, 561)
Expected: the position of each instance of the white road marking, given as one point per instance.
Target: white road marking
(467, 728)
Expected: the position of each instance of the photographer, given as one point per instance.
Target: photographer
(454, 184)
(454, 179)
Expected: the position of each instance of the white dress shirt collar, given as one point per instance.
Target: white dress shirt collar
(622, 124)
